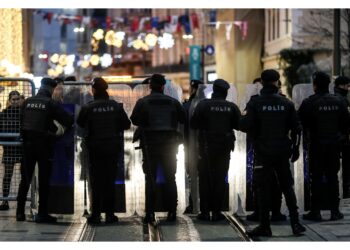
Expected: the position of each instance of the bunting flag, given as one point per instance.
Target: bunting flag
(195, 22)
(169, 24)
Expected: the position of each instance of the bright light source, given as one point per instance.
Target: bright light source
(98, 34)
(185, 36)
(166, 41)
(43, 56)
(151, 39)
(106, 60)
(54, 58)
(120, 35)
(95, 60)
(69, 69)
(37, 81)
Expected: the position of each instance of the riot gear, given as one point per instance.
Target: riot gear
(38, 113)
(266, 113)
(158, 115)
(104, 121)
(325, 120)
(215, 119)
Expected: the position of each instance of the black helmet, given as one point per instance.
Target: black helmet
(321, 80)
(220, 84)
(194, 83)
(157, 80)
(269, 76)
(48, 82)
(99, 84)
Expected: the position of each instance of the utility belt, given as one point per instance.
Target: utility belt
(217, 139)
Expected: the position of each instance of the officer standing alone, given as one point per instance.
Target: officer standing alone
(104, 121)
(37, 129)
(215, 119)
(341, 89)
(325, 121)
(157, 116)
(269, 118)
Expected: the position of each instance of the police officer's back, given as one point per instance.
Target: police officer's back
(104, 121)
(37, 130)
(157, 116)
(325, 121)
(215, 119)
(269, 119)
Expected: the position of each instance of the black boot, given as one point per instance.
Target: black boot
(4, 206)
(313, 216)
(111, 218)
(297, 228)
(149, 218)
(205, 216)
(336, 215)
(217, 216)
(171, 217)
(45, 218)
(94, 219)
(260, 231)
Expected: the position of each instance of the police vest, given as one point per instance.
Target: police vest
(326, 117)
(272, 119)
(103, 119)
(36, 114)
(162, 115)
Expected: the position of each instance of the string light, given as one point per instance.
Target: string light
(151, 39)
(98, 34)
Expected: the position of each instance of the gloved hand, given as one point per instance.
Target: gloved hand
(295, 154)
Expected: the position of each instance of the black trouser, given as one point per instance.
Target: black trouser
(324, 161)
(212, 170)
(346, 170)
(165, 156)
(265, 171)
(276, 195)
(36, 151)
(102, 171)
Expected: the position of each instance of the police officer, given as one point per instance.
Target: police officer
(341, 87)
(187, 104)
(157, 116)
(276, 192)
(215, 119)
(104, 121)
(37, 127)
(325, 120)
(269, 118)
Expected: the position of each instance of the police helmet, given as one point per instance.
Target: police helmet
(48, 82)
(99, 84)
(269, 76)
(157, 80)
(321, 79)
(220, 84)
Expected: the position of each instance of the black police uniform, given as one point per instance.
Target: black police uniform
(104, 121)
(276, 194)
(269, 118)
(158, 115)
(325, 120)
(37, 117)
(215, 119)
(345, 150)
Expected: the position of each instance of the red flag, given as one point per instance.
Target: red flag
(195, 22)
(135, 24)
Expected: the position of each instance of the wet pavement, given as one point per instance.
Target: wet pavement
(186, 228)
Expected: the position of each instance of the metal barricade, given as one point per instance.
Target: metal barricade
(13, 91)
